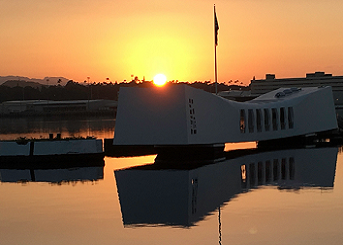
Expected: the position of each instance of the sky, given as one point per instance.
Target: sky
(116, 39)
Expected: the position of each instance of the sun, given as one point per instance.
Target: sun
(160, 80)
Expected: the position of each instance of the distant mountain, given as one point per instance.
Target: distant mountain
(45, 81)
(21, 83)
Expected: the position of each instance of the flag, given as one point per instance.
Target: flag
(216, 27)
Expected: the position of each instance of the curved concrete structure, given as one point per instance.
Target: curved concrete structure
(181, 115)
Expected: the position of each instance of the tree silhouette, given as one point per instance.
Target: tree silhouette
(77, 91)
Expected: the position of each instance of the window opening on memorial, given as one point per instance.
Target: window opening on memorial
(283, 169)
(275, 119)
(244, 176)
(194, 195)
(260, 173)
(242, 121)
(259, 120)
(291, 168)
(283, 118)
(252, 174)
(275, 169)
(266, 119)
(290, 117)
(268, 171)
(193, 126)
(251, 120)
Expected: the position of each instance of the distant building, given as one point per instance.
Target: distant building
(317, 79)
(48, 107)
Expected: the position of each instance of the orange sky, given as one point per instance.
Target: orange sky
(116, 39)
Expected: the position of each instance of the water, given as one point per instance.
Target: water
(280, 197)
(38, 128)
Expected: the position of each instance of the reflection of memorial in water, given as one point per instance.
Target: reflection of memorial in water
(153, 195)
(92, 172)
(291, 169)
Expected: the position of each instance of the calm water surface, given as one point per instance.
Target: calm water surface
(280, 197)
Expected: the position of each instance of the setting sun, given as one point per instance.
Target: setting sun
(160, 80)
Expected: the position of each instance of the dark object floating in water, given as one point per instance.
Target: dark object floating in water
(127, 150)
(190, 154)
(50, 151)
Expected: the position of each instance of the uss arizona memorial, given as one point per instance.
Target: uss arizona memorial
(182, 116)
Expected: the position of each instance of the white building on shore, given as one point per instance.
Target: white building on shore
(317, 79)
(49, 107)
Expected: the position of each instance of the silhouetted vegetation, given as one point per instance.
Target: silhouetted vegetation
(105, 90)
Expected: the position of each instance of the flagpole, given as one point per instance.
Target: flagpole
(216, 28)
(215, 67)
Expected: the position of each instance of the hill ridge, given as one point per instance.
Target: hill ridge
(47, 81)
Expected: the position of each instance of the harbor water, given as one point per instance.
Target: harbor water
(290, 196)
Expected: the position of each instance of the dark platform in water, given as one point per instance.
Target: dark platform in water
(332, 137)
(127, 150)
(52, 161)
(189, 154)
